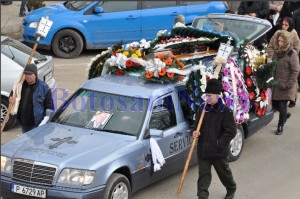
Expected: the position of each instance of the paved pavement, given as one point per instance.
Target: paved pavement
(11, 22)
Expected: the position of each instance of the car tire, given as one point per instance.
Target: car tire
(67, 44)
(236, 145)
(117, 186)
(12, 118)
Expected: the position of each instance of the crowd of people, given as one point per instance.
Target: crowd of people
(283, 46)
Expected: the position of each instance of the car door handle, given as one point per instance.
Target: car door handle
(174, 14)
(131, 17)
(178, 134)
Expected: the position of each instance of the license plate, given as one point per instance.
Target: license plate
(28, 191)
(48, 77)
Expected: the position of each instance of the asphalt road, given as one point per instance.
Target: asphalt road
(269, 167)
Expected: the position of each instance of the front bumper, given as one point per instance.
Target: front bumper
(29, 38)
(52, 192)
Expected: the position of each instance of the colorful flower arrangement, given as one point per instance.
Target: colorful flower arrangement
(258, 77)
(128, 59)
(161, 69)
(235, 92)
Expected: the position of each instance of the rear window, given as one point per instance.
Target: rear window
(18, 52)
(192, 2)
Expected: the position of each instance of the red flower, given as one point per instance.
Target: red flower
(137, 64)
(251, 95)
(256, 105)
(119, 73)
(207, 78)
(249, 82)
(263, 96)
(129, 63)
(114, 53)
(259, 112)
(248, 70)
(263, 111)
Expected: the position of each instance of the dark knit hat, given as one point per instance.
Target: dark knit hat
(213, 86)
(30, 68)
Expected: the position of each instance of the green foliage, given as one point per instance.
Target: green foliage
(33, 5)
(97, 65)
(264, 73)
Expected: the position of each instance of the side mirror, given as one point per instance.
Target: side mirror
(156, 133)
(98, 10)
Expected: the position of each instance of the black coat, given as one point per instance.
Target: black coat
(261, 8)
(217, 130)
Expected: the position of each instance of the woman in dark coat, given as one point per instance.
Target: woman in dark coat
(286, 75)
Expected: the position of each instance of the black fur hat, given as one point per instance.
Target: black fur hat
(30, 68)
(213, 86)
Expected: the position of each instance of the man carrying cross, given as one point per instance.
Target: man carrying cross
(217, 130)
(36, 97)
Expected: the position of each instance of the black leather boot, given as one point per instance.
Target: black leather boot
(288, 115)
(279, 130)
(292, 103)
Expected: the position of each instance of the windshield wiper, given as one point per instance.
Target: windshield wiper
(118, 132)
(13, 56)
(39, 60)
(110, 131)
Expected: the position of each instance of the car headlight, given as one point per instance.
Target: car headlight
(5, 165)
(33, 24)
(76, 177)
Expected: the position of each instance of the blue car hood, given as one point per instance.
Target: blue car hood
(58, 144)
(56, 10)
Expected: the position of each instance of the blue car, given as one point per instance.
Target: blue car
(100, 24)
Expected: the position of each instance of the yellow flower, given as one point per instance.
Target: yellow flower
(258, 62)
(125, 53)
(138, 53)
(135, 56)
(119, 50)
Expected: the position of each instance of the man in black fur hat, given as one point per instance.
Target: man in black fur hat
(217, 130)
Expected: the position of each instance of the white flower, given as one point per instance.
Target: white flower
(135, 44)
(144, 44)
(161, 33)
(178, 24)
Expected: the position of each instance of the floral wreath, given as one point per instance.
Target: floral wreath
(258, 77)
(235, 92)
(162, 69)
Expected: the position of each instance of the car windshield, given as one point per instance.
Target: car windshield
(18, 52)
(239, 29)
(77, 5)
(103, 112)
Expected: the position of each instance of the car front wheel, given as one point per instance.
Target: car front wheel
(117, 187)
(236, 145)
(4, 108)
(67, 44)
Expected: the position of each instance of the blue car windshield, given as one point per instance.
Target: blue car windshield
(77, 5)
(103, 112)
